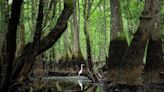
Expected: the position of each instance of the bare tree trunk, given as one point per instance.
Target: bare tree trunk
(76, 46)
(86, 13)
(67, 46)
(105, 29)
(3, 30)
(118, 42)
(21, 34)
(4, 21)
(9, 46)
(154, 63)
(4, 16)
(131, 69)
(77, 57)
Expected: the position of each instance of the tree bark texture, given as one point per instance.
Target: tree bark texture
(131, 70)
(86, 12)
(21, 34)
(154, 63)
(9, 46)
(118, 42)
(76, 41)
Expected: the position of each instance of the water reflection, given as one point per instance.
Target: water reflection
(122, 88)
(79, 84)
(66, 84)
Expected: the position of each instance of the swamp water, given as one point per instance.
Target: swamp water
(83, 84)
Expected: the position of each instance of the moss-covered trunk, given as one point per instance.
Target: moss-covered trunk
(76, 54)
(131, 70)
(117, 50)
(132, 64)
(154, 62)
(118, 42)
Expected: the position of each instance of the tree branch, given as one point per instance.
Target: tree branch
(30, 50)
(38, 30)
(57, 31)
(25, 62)
(95, 8)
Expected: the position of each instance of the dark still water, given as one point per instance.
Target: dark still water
(81, 84)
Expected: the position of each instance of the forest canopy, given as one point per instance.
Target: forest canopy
(122, 37)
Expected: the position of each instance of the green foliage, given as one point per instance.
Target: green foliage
(3, 16)
(162, 17)
(99, 26)
(99, 30)
(131, 10)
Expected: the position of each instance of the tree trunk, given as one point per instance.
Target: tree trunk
(3, 21)
(4, 15)
(131, 69)
(154, 63)
(118, 42)
(31, 50)
(21, 34)
(3, 28)
(77, 55)
(67, 46)
(9, 46)
(76, 46)
(105, 30)
(86, 13)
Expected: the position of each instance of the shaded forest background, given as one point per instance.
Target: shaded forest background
(98, 32)
(99, 25)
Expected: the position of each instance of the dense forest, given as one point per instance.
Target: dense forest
(117, 42)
